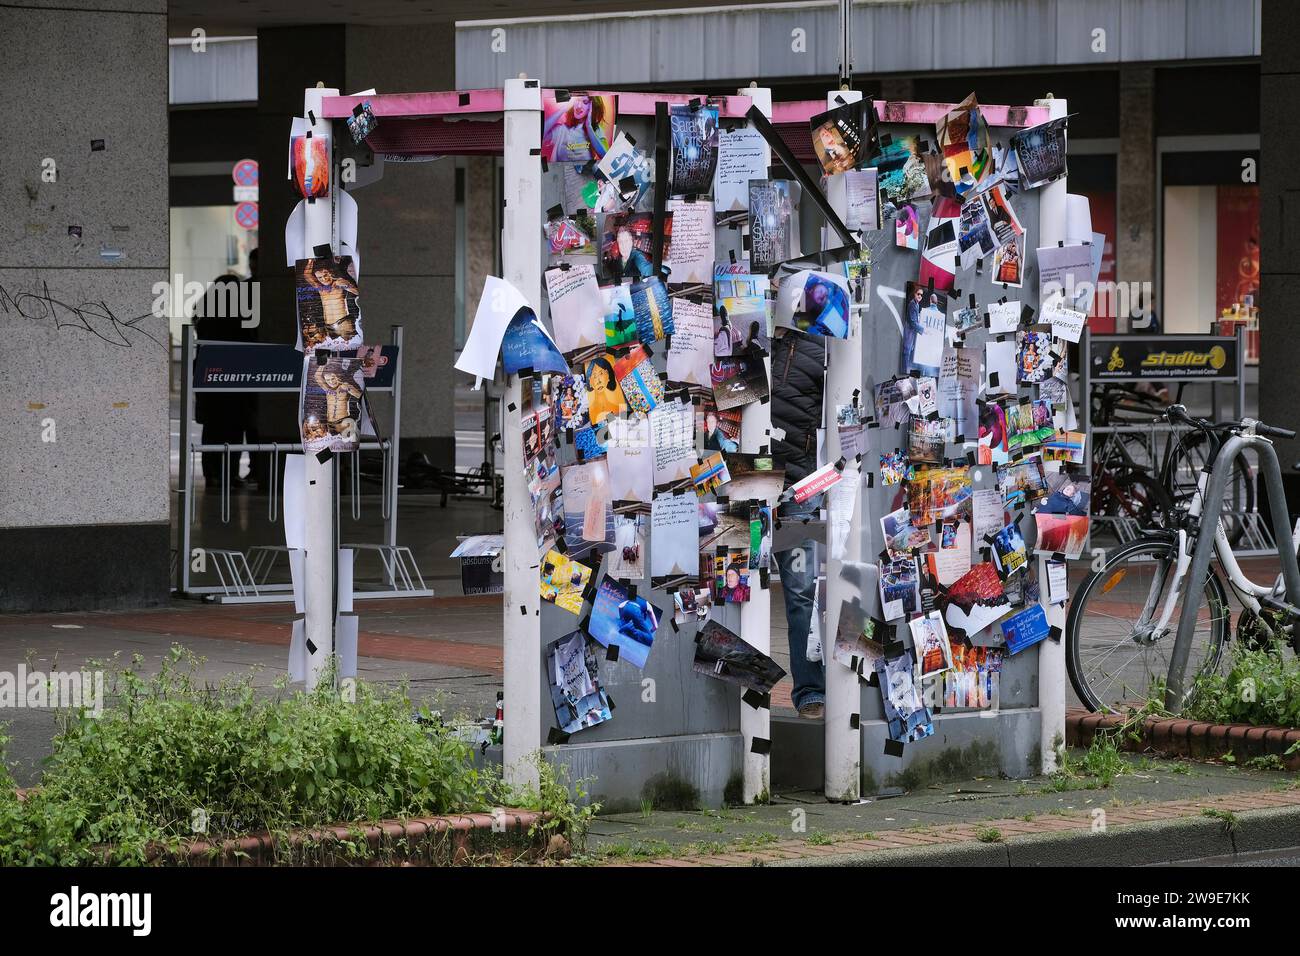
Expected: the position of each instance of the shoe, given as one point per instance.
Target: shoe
(813, 711)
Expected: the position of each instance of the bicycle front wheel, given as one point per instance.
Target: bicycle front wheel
(1115, 656)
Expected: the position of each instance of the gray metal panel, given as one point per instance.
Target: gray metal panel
(963, 746)
(755, 42)
(903, 38)
(624, 51)
(1153, 30)
(226, 72)
(776, 39)
(969, 35)
(1075, 21)
(740, 33)
(1023, 33)
(678, 51)
(673, 772)
(1218, 28)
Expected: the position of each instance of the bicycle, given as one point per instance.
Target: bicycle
(1131, 479)
(1146, 630)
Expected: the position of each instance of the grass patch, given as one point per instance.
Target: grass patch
(1261, 687)
(989, 835)
(173, 759)
(1231, 822)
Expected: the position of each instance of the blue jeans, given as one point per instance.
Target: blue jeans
(798, 568)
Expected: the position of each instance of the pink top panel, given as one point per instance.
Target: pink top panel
(411, 105)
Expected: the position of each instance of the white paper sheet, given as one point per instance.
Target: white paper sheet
(577, 307)
(692, 242)
(294, 490)
(497, 306)
(742, 156)
(691, 351)
(674, 536)
(672, 436)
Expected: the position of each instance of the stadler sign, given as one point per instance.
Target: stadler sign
(1163, 357)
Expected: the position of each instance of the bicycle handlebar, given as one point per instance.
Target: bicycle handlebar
(1180, 413)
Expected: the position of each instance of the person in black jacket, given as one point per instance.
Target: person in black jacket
(798, 386)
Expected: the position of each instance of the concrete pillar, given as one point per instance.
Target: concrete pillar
(84, 493)
(1279, 205)
(1135, 213)
(406, 221)
(407, 236)
(482, 228)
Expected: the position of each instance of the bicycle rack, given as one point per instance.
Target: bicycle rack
(244, 578)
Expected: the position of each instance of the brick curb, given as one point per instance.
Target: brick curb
(1156, 827)
(1187, 738)
(451, 839)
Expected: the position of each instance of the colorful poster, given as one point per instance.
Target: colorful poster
(332, 404)
(722, 654)
(576, 693)
(653, 310)
(309, 161)
(627, 245)
(771, 209)
(740, 304)
(964, 143)
(844, 137)
(576, 129)
(694, 154)
(564, 582)
(328, 304)
(815, 302)
(620, 620)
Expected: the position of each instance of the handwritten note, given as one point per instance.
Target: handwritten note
(692, 248)
(691, 349)
(672, 435)
(674, 536)
(577, 309)
(742, 156)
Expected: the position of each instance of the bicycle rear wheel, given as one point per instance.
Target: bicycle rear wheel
(1113, 657)
(1183, 471)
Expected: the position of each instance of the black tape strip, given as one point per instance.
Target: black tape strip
(1055, 633)
(611, 652)
(556, 736)
(311, 646)
(464, 99)
(851, 248)
(662, 139)
(760, 745)
(322, 250)
(324, 455)
(756, 700)
(855, 721)
(893, 748)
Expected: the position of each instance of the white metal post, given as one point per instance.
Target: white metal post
(843, 762)
(1051, 654)
(521, 259)
(319, 567)
(756, 613)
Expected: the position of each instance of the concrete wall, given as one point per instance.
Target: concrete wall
(84, 496)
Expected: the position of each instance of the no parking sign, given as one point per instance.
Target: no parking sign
(246, 215)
